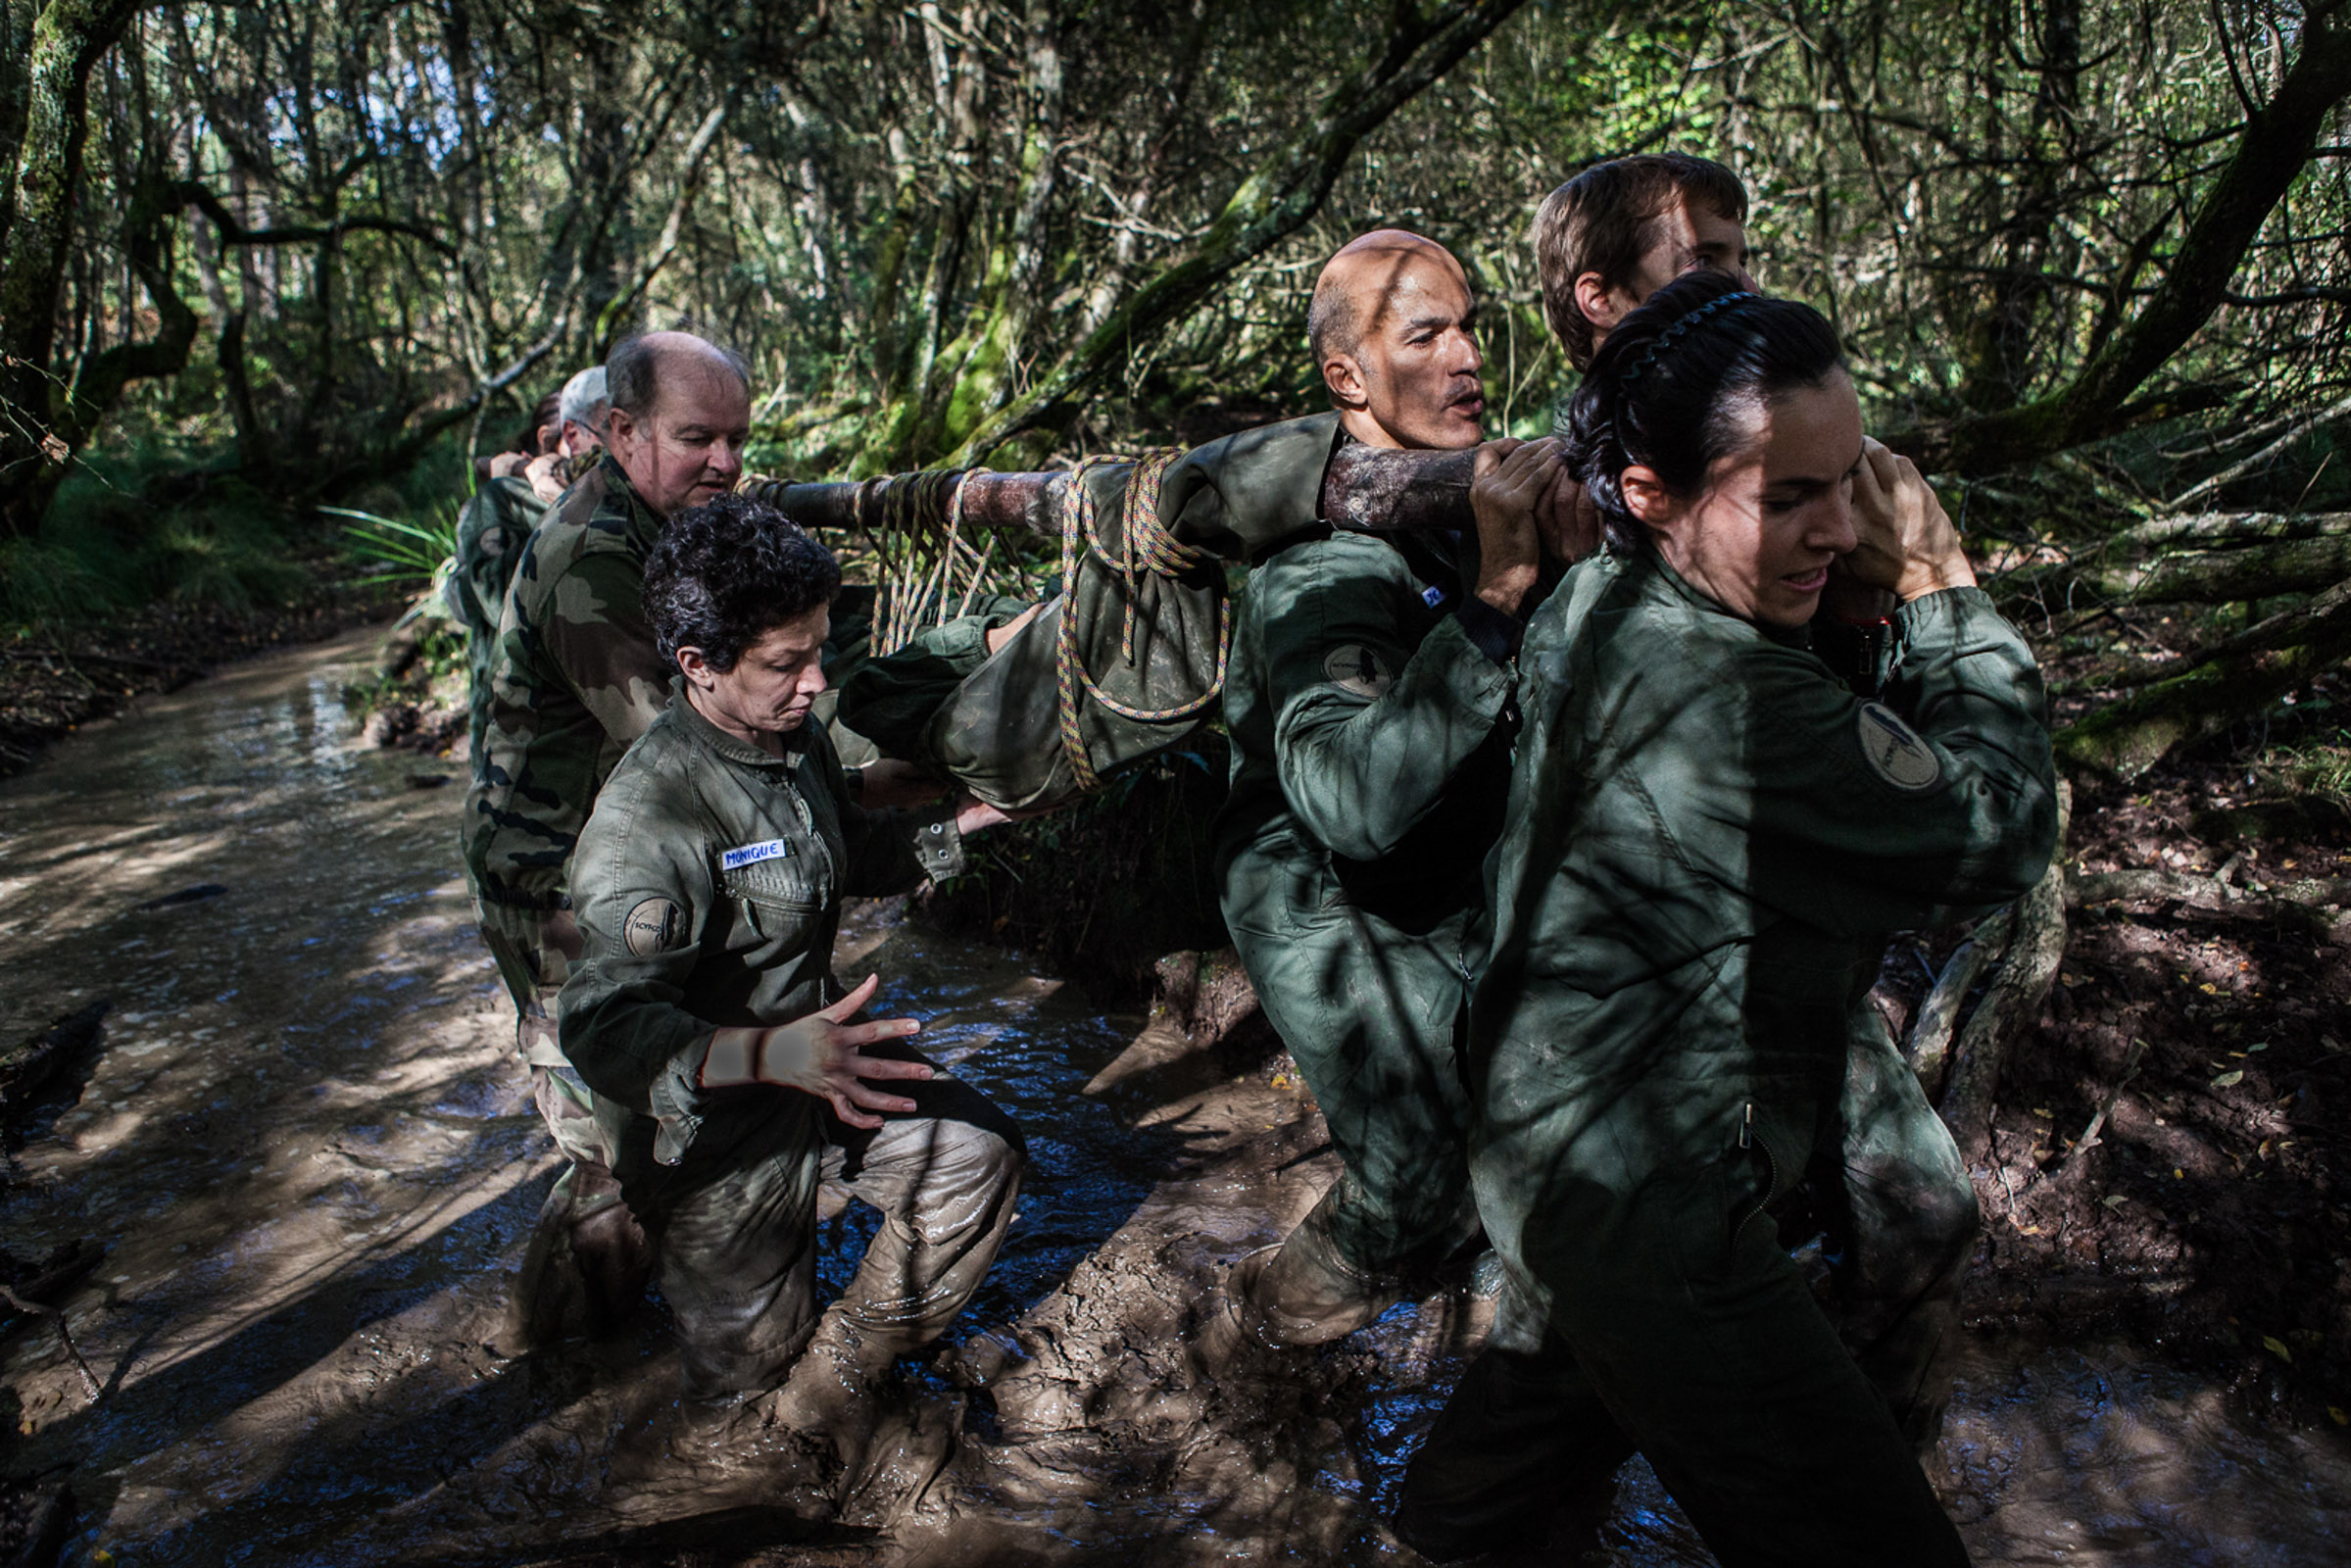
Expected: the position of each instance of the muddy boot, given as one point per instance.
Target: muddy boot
(584, 1270)
(1304, 1292)
(610, 1251)
(884, 1441)
(700, 1456)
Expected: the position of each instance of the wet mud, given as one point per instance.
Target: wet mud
(303, 1140)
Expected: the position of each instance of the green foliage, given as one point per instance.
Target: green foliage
(400, 551)
(45, 583)
(2317, 764)
(107, 546)
(225, 556)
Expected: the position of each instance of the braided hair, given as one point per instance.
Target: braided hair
(1677, 384)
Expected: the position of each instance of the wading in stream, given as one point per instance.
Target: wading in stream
(1463, 1040)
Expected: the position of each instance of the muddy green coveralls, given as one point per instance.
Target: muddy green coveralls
(1371, 734)
(709, 887)
(1709, 840)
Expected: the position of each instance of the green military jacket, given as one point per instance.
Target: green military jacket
(574, 680)
(1709, 838)
(709, 887)
(1370, 734)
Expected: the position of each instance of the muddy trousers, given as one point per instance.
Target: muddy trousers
(736, 1235)
(1525, 1429)
(587, 1262)
(1368, 1010)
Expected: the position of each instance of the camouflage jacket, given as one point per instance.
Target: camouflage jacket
(490, 532)
(574, 680)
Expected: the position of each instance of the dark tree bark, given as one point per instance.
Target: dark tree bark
(51, 81)
(2208, 560)
(2271, 150)
(2221, 688)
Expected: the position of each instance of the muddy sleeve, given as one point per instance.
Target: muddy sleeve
(598, 636)
(1368, 729)
(1938, 801)
(643, 891)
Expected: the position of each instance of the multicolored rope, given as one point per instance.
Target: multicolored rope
(1146, 547)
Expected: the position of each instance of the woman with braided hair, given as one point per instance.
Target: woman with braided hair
(1708, 839)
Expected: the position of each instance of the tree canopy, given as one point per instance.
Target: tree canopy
(2088, 254)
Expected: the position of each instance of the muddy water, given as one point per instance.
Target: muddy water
(309, 1150)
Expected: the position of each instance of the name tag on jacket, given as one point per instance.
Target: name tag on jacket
(752, 854)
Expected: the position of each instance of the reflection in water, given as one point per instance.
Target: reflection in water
(308, 1147)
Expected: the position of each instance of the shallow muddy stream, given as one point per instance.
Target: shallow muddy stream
(306, 1142)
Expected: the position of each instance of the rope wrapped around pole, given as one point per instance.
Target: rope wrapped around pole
(1145, 547)
(1364, 489)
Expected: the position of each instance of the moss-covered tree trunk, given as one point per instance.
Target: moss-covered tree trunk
(48, 84)
(2236, 682)
(971, 370)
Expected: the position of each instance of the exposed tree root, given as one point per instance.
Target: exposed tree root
(2018, 986)
(1929, 1047)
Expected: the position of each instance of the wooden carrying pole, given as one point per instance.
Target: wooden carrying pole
(1364, 489)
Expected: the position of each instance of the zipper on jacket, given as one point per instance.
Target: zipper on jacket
(1771, 1168)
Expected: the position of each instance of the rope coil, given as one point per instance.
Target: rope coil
(1146, 548)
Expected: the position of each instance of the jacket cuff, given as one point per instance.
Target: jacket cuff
(1942, 615)
(676, 1100)
(939, 843)
(1477, 682)
(1495, 634)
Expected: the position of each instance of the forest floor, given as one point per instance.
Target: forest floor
(2209, 1214)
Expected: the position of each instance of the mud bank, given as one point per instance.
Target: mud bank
(303, 1140)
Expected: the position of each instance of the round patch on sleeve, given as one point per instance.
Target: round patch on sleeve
(652, 926)
(1354, 668)
(1894, 750)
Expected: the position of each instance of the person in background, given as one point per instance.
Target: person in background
(509, 502)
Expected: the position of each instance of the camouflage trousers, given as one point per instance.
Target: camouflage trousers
(587, 1262)
(735, 1231)
(1787, 1434)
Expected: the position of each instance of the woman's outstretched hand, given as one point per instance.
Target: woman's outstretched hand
(821, 1055)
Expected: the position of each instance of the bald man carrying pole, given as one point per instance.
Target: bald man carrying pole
(1369, 701)
(574, 680)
